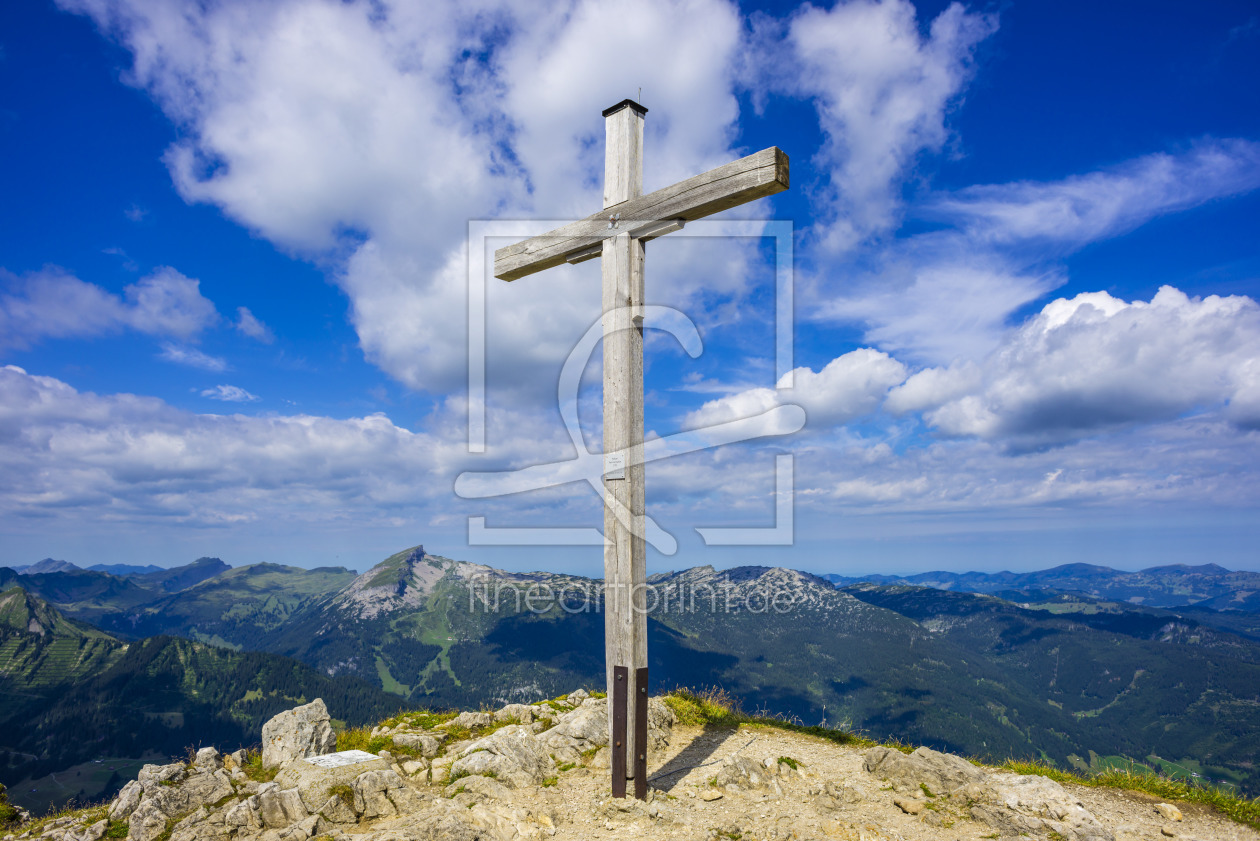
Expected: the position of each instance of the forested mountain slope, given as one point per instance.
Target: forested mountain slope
(69, 693)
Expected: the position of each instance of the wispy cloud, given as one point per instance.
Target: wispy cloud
(1086, 208)
(248, 323)
(229, 394)
(947, 295)
(183, 355)
(52, 303)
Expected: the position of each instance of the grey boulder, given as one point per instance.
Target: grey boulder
(940, 773)
(513, 755)
(298, 733)
(1034, 805)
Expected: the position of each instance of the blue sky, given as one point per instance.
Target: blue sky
(233, 277)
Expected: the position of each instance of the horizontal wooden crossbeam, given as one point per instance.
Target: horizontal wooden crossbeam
(761, 174)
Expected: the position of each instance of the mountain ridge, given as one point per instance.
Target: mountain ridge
(1169, 585)
(1028, 673)
(70, 692)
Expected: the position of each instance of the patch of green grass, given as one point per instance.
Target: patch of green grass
(88, 814)
(715, 706)
(699, 707)
(403, 750)
(118, 829)
(459, 734)
(927, 792)
(361, 738)
(794, 764)
(344, 792)
(550, 781)
(171, 823)
(1231, 805)
(8, 812)
(566, 766)
(422, 719)
(254, 769)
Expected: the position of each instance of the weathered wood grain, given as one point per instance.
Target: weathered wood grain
(625, 549)
(623, 156)
(761, 174)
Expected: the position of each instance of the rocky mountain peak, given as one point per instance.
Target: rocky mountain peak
(401, 581)
(21, 611)
(47, 565)
(530, 772)
(752, 587)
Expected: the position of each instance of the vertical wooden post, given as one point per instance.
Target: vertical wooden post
(625, 568)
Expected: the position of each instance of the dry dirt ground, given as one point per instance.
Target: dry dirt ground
(582, 808)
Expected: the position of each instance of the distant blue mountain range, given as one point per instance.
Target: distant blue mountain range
(1177, 585)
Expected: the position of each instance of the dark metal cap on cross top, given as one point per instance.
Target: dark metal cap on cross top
(625, 103)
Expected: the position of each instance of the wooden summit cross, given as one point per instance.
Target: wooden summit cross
(617, 234)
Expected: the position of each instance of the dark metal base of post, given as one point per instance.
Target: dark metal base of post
(620, 729)
(618, 701)
(640, 732)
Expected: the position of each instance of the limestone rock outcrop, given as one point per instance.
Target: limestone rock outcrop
(1012, 804)
(298, 733)
(940, 773)
(586, 728)
(314, 782)
(534, 772)
(512, 755)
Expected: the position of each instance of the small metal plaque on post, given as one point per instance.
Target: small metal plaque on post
(614, 465)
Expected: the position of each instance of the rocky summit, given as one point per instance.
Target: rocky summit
(540, 771)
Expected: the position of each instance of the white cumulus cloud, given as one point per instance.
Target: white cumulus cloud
(882, 91)
(373, 133)
(848, 387)
(1093, 363)
(127, 458)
